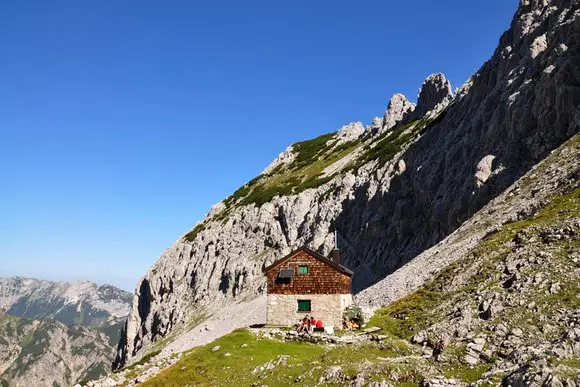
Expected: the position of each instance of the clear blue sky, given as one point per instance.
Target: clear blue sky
(122, 122)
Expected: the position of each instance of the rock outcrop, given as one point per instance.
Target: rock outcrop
(350, 132)
(522, 103)
(434, 96)
(397, 111)
(484, 170)
(285, 157)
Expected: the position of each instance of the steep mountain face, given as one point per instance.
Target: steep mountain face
(49, 353)
(56, 332)
(392, 189)
(501, 293)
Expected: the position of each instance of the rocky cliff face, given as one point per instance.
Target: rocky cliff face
(49, 353)
(56, 332)
(401, 186)
(434, 96)
(494, 303)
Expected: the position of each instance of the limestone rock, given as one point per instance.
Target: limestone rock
(485, 310)
(401, 166)
(333, 374)
(435, 94)
(484, 170)
(350, 132)
(376, 126)
(285, 157)
(538, 46)
(420, 337)
(395, 221)
(398, 109)
(440, 382)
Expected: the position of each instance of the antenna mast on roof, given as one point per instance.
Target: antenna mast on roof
(335, 238)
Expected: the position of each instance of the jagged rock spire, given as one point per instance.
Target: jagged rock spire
(435, 94)
(397, 110)
(350, 132)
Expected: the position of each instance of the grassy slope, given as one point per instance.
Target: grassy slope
(306, 362)
(427, 305)
(312, 157)
(396, 360)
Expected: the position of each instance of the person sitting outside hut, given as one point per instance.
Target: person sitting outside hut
(316, 325)
(304, 325)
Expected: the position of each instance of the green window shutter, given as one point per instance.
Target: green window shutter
(304, 306)
(303, 269)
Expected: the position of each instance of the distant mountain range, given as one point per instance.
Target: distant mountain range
(57, 332)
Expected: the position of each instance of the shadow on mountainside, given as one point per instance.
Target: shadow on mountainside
(514, 120)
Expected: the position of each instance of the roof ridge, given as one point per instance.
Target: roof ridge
(316, 255)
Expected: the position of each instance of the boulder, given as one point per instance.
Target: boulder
(483, 170)
(333, 374)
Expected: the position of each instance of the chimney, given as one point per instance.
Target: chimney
(335, 252)
(335, 255)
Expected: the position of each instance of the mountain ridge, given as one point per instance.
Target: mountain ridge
(404, 188)
(19, 296)
(500, 293)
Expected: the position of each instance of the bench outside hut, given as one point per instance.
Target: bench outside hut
(305, 282)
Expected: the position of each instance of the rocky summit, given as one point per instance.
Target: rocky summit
(57, 333)
(461, 218)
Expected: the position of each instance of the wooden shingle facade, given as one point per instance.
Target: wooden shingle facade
(307, 283)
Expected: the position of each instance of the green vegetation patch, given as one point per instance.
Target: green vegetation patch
(464, 372)
(388, 144)
(113, 332)
(308, 151)
(305, 172)
(202, 366)
(244, 359)
(95, 371)
(143, 360)
(190, 236)
(566, 368)
(408, 315)
(242, 354)
(146, 358)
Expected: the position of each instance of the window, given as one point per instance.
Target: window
(304, 306)
(302, 269)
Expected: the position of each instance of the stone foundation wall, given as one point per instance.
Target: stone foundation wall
(283, 308)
